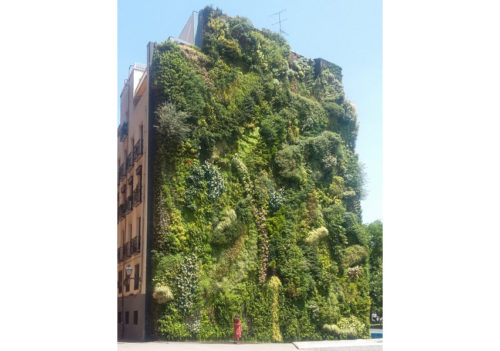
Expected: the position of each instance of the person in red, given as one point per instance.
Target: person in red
(237, 329)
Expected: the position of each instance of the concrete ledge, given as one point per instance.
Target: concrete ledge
(341, 345)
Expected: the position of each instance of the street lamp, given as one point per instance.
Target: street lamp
(128, 271)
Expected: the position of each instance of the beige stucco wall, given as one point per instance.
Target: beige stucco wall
(137, 116)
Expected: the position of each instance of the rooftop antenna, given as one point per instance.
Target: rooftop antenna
(280, 20)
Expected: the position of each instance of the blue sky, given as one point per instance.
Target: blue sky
(345, 32)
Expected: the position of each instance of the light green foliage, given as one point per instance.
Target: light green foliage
(289, 161)
(275, 285)
(347, 328)
(162, 294)
(316, 235)
(354, 255)
(256, 209)
(225, 231)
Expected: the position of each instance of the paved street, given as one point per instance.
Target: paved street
(340, 345)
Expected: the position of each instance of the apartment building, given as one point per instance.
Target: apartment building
(133, 134)
(135, 140)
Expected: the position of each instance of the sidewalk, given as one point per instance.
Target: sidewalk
(338, 345)
(196, 346)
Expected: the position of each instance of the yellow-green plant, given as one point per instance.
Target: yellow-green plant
(316, 235)
(162, 294)
(275, 284)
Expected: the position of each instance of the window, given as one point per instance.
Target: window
(119, 317)
(120, 282)
(126, 317)
(136, 317)
(127, 285)
(136, 277)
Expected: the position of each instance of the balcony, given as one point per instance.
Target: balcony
(126, 248)
(135, 244)
(137, 150)
(122, 211)
(130, 161)
(121, 171)
(123, 131)
(129, 204)
(137, 195)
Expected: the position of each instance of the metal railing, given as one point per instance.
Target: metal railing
(138, 150)
(130, 161)
(123, 131)
(130, 204)
(122, 211)
(135, 244)
(121, 171)
(137, 195)
(139, 66)
(127, 250)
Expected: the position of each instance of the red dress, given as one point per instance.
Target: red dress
(237, 330)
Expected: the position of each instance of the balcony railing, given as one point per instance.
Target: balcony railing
(126, 249)
(129, 203)
(122, 211)
(138, 150)
(123, 131)
(137, 195)
(130, 161)
(135, 244)
(121, 171)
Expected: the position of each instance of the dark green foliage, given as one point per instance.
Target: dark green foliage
(375, 233)
(174, 79)
(289, 161)
(257, 208)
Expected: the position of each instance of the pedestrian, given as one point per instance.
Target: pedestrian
(237, 329)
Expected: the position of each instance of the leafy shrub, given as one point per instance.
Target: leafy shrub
(215, 183)
(276, 199)
(325, 150)
(273, 129)
(162, 294)
(224, 231)
(174, 79)
(316, 235)
(186, 284)
(353, 272)
(289, 161)
(171, 125)
(355, 231)
(275, 285)
(353, 255)
(346, 328)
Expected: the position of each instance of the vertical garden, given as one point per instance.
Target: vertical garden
(257, 192)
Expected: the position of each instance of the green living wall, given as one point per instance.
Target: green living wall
(257, 192)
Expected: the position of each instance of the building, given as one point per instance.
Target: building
(133, 133)
(134, 194)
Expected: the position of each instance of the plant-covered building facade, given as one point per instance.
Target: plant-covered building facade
(254, 191)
